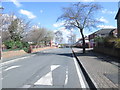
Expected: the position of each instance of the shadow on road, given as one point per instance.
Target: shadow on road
(46, 54)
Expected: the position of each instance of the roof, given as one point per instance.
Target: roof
(104, 31)
(117, 14)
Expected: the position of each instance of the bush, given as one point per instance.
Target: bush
(26, 47)
(10, 44)
(117, 43)
(19, 44)
(110, 42)
(99, 39)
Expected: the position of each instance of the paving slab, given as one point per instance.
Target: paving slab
(103, 72)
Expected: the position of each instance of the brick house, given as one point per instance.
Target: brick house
(102, 33)
(118, 21)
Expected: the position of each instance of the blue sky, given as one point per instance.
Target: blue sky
(45, 14)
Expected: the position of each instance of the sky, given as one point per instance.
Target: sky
(45, 14)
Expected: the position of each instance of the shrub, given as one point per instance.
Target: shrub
(109, 42)
(117, 43)
(26, 47)
(99, 39)
(10, 44)
(19, 44)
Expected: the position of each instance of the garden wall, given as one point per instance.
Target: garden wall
(9, 54)
(109, 51)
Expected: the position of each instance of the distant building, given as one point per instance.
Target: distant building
(72, 39)
(80, 42)
(118, 20)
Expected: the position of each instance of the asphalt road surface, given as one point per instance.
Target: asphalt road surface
(52, 68)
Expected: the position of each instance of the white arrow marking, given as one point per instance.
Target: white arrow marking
(47, 79)
(11, 68)
(53, 67)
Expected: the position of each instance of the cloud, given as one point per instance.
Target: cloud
(106, 26)
(58, 24)
(27, 13)
(102, 19)
(105, 11)
(16, 3)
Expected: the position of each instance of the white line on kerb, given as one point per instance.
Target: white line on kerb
(79, 74)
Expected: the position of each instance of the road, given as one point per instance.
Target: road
(52, 68)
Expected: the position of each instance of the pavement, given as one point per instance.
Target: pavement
(102, 69)
(51, 68)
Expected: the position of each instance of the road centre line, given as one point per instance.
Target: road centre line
(66, 80)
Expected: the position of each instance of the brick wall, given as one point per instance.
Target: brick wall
(109, 51)
(9, 54)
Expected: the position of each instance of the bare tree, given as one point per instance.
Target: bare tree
(80, 16)
(36, 35)
(48, 37)
(58, 37)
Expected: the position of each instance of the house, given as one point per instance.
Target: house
(118, 21)
(105, 32)
(102, 33)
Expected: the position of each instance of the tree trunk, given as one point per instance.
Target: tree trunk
(83, 40)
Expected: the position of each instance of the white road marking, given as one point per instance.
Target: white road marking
(79, 74)
(66, 79)
(11, 67)
(14, 60)
(47, 79)
(53, 67)
(26, 86)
